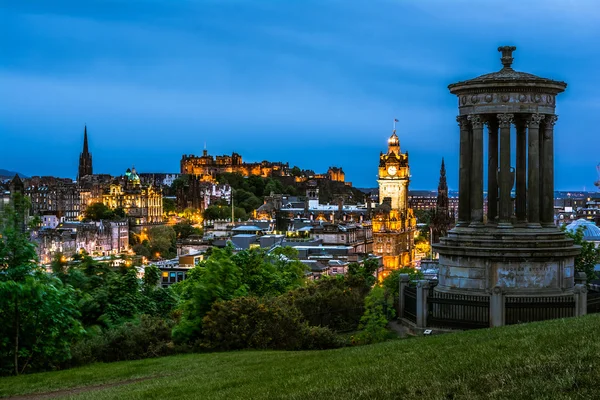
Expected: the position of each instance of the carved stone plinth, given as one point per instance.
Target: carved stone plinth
(519, 260)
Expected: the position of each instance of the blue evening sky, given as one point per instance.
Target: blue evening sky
(312, 82)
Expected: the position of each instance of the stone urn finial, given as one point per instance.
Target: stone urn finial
(507, 57)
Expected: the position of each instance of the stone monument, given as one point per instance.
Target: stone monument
(516, 246)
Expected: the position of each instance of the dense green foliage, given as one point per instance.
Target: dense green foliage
(169, 206)
(184, 230)
(589, 256)
(225, 276)
(98, 211)
(544, 360)
(379, 309)
(38, 313)
(136, 339)
(156, 242)
(251, 323)
(83, 310)
(214, 212)
(392, 281)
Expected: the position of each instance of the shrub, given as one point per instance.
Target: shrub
(148, 337)
(331, 303)
(251, 323)
(373, 323)
(319, 338)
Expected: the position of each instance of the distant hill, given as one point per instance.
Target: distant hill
(4, 174)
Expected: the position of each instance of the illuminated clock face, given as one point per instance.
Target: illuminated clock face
(392, 170)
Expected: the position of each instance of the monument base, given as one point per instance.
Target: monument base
(522, 261)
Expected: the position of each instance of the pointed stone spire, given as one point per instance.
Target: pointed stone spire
(85, 158)
(85, 140)
(442, 185)
(441, 220)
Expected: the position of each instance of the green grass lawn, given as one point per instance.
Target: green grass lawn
(547, 360)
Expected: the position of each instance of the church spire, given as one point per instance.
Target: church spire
(85, 158)
(85, 141)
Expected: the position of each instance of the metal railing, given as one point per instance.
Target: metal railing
(457, 311)
(593, 302)
(528, 309)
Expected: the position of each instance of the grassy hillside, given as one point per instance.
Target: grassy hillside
(548, 360)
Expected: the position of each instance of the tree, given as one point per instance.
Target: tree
(223, 212)
(162, 241)
(374, 321)
(99, 211)
(364, 273)
(184, 230)
(40, 320)
(295, 171)
(217, 278)
(38, 313)
(589, 256)
(169, 206)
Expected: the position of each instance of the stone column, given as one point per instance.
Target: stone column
(476, 185)
(404, 281)
(547, 216)
(533, 171)
(497, 307)
(505, 178)
(580, 294)
(422, 309)
(521, 186)
(492, 170)
(464, 199)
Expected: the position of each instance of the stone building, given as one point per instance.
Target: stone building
(99, 238)
(358, 236)
(394, 223)
(208, 167)
(336, 174)
(54, 196)
(517, 249)
(199, 194)
(143, 204)
(158, 179)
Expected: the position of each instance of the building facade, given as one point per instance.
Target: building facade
(143, 204)
(208, 167)
(100, 238)
(394, 223)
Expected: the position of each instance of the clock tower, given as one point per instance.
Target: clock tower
(394, 175)
(394, 224)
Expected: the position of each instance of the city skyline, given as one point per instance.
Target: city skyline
(314, 86)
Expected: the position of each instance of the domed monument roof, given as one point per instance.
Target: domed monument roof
(507, 91)
(507, 73)
(508, 76)
(590, 231)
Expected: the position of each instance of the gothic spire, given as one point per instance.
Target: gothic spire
(85, 140)
(443, 185)
(85, 158)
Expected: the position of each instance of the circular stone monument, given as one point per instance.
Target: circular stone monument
(516, 245)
